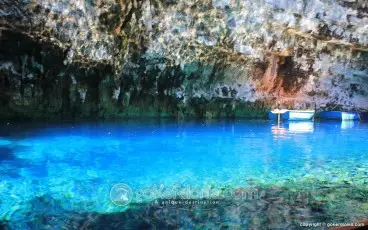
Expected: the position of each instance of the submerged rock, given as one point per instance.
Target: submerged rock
(207, 59)
(279, 208)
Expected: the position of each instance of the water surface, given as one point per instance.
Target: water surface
(77, 164)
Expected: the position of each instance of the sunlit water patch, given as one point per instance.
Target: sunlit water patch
(62, 169)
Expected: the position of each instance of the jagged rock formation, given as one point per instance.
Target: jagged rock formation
(181, 58)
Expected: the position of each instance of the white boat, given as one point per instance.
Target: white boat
(291, 115)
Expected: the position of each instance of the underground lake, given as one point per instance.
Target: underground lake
(133, 174)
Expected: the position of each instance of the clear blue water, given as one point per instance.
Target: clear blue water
(77, 164)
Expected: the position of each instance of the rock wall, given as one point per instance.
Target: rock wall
(180, 58)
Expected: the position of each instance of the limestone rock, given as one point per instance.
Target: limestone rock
(119, 58)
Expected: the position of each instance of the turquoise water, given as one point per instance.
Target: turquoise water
(77, 164)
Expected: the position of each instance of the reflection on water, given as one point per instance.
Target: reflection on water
(281, 131)
(348, 124)
(301, 127)
(294, 127)
(278, 131)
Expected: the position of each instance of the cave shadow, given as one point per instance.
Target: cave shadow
(6, 154)
(8, 157)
